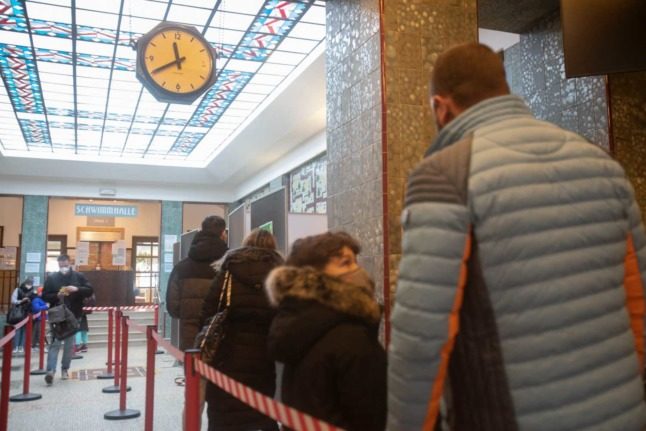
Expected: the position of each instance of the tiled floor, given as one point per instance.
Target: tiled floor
(76, 404)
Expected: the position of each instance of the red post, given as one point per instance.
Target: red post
(6, 380)
(28, 334)
(191, 391)
(117, 347)
(110, 333)
(123, 321)
(151, 345)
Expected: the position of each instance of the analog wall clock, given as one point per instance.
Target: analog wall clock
(175, 63)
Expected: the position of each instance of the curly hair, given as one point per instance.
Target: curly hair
(317, 250)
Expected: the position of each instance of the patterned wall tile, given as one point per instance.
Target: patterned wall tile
(34, 234)
(536, 71)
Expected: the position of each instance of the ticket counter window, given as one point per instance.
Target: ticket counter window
(145, 256)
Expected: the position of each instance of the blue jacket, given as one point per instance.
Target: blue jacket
(520, 299)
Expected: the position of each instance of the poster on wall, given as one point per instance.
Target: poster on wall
(33, 257)
(8, 258)
(169, 240)
(82, 253)
(119, 253)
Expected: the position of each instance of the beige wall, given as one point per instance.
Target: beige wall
(62, 220)
(193, 214)
(11, 219)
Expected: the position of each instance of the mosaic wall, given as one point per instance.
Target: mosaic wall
(308, 188)
(536, 71)
(415, 32)
(33, 253)
(628, 102)
(171, 224)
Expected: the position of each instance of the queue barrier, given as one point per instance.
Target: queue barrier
(195, 369)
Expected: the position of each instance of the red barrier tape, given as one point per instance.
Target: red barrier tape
(174, 351)
(276, 410)
(22, 323)
(4, 340)
(126, 308)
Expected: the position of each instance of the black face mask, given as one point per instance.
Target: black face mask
(358, 277)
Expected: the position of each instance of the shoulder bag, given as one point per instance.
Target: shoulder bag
(62, 322)
(210, 337)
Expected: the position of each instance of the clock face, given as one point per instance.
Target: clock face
(178, 61)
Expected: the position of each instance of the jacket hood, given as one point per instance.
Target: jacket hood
(207, 247)
(250, 265)
(309, 305)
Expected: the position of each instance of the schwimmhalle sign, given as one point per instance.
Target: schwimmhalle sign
(105, 210)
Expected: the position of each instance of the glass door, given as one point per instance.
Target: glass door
(145, 261)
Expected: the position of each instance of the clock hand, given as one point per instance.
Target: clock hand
(176, 51)
(167, 65)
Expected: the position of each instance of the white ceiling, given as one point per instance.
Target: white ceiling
(293, 114)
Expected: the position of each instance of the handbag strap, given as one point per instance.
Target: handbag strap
(226, 288)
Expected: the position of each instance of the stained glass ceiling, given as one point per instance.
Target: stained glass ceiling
(70, 90)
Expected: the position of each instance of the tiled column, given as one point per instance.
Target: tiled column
(33, 250)
(379, 129)
(627, 101)
(171, 224)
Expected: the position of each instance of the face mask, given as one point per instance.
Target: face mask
(28, 287)
(358, 277)
(64, 270)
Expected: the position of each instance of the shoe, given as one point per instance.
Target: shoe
(64, 375)
(49, 378)
(84, 348)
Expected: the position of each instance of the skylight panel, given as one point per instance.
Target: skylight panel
(96, 19)
(188, 15)
(250, 7)
(273, 80)
(94, 48)
(154, 10)
(49, 12)
(100, 6)
(14, 38)
(52, 43)
(298, 45)
(288, 58)
(222, 36)
(315, 15)
(207, 4)
(308, 31)
(232, 21)
(276, 69)
(244, 66)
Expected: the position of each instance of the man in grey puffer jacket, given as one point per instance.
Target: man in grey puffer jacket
(520, 300)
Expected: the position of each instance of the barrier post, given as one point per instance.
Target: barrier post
(116, 388)
(156, 323)
(123, 412)
(26, 396)
(41, 345)
(108, 373)
(191, 391)
(151, 345)
(6, 380)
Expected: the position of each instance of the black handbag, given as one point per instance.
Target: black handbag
(16, 314)
(208, 340)
(62, 321)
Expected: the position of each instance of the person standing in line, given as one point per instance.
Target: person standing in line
(326, 334)
(521, 286)
(22, 297)
(242, 354)
(191, 278)
(69, 287)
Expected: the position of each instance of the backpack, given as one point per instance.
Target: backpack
(62, 321)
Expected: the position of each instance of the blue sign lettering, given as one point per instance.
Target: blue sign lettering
(105, 210)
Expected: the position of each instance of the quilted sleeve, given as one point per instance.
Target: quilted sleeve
(432, 275)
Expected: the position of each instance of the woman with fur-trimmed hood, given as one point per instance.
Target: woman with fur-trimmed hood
(243, 352)
(325, 334)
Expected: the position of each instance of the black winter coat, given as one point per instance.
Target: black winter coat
(325, 332)
(74, 301)
(189, 284)
(243, 352)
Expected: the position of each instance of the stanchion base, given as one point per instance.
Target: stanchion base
(77, 357)
(38, 372)
(116, 415)
(25, 397)
(159, 352)
(105, 376)
(114, 389)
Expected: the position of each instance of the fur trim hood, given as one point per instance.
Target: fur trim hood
(306, 283)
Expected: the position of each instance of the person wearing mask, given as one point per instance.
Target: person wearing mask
(191, 278)
(243, 354)
(22, 297)
(326, 334)
(69, 287)
(520, 299)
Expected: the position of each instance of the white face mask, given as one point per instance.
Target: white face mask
(65, 269)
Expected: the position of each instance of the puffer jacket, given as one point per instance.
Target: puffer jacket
(189, 283)
(325, 334)
(521, 286)
(243, 353)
